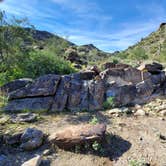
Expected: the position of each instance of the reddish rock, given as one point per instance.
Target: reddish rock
(77, 135)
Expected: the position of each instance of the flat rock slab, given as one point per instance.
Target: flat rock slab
(25, 117)
(43, 86)
(77, 135)
(30, 104)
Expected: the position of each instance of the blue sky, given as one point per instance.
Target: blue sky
(109, 24)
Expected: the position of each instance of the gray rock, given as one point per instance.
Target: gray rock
(96, 94)
(140, 112)
(31, 139)
(12, 139)
(41, 87)
(75, 94)
(36, 161)
(30, 104)
(61, 96)
(25, 117)
(145, 89)
(4, 161)
(123, 95)
(15, 85)
(124, 76)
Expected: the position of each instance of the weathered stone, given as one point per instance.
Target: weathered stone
(4, 161)
(31, 139)
(25, 117)
(96, 94)
(140, 112)
(154, 68)
(12, 139)
(118, 111)
(61, 96)
(108, 65)
(75, 95)
(30, 104)
(41, 87)
(36, 161)
(123, 95)
(77, 135)
(73, 56)
(162, 113)
(158, 79)
(122, 65)
(15, 85)
(95, 69)
(145, 88)
(84, 75)
(124, 76)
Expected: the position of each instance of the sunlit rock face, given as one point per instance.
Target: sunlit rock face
(87, 90)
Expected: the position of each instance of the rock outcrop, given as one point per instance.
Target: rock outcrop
(88, 90)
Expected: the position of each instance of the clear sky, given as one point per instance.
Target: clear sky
(109, 24)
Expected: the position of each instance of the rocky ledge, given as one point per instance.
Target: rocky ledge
(87, 90)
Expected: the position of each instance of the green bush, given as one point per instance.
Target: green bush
(109, 103)
(94, 121)
(137, 163)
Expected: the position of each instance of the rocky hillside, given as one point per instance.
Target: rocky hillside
(153, 45)
(79, 55)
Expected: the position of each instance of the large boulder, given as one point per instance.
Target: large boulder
(122, 95)
(31, 139)
(30, 104)
(154, 68)
(77, 135)
(124, 76)
(145, 88)
(15, 85)
(41, 87)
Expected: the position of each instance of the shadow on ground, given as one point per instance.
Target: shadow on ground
(117, 147)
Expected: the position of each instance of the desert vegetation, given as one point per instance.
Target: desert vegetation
(64, 104)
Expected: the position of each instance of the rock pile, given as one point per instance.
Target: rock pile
(88, 90)
(29, 140)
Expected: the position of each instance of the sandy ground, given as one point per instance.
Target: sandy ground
(134, 138)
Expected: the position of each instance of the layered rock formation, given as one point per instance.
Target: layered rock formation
(88, 90)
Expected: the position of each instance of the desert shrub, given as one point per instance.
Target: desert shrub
(19, 59)
(137, 163)
(137, 54)
(94, 121)
(109, 103)
(3, 99)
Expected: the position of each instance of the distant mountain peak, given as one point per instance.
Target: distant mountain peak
(90, 46)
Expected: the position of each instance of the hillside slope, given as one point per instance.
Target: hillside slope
(79, 55)
(152, 47)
